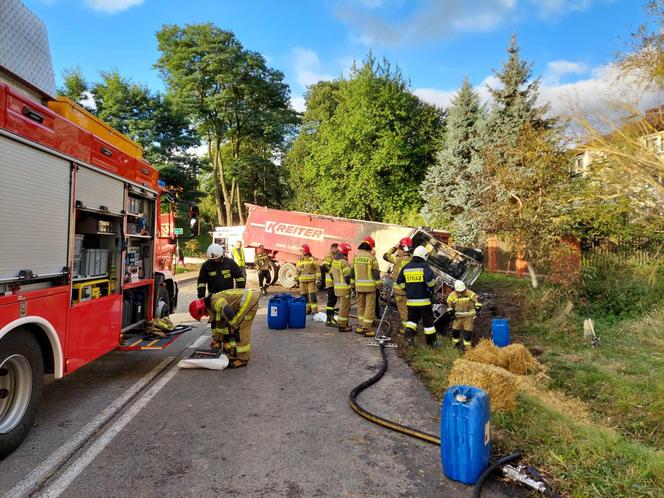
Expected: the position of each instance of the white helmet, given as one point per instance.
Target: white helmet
(421, 252)
(215, 251)
(459, 286)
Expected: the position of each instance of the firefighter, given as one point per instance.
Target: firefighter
(262, 262)
(328, 284)
(365, 279)
(464, 304)
(399, 256)
(238, 257)
(341, 285)
(307, 275)
(231, 313)
(218, 272)
(417, 280)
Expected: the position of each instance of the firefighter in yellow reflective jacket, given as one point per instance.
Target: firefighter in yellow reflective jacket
(238, 256)
(399, 256)
(464, 304)
(307, 274)
(418, 281)
(262, 263)
(365, 279)
(341, 285)
(326, 275)
(231, 313)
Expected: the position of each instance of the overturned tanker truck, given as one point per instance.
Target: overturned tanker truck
(282, 233)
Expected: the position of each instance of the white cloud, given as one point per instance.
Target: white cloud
(605, 93)
(436, 19)
(308, 68)
(556, 70)
(299, 103)
(112, 6)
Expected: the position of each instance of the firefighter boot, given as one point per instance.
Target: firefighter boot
(431, 340)
(345, 328)
(409, 335)
(467, 342)
(330, 318)
(456, 338)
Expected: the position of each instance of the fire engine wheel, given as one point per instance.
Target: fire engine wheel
(287, 275)
(162, 308)
(274, 272)
(21, 378)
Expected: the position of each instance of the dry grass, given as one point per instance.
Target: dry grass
(515, 358)
(500, 385)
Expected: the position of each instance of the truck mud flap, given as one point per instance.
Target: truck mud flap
(145, 341)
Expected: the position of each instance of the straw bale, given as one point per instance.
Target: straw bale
(518, 359)
(499, 384)
(486, 352)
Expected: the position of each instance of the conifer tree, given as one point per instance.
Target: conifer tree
(451, 187)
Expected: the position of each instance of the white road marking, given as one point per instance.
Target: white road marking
(57, 487)
(59, 456)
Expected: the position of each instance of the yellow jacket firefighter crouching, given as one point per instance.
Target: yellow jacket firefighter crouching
(307, 274)
(464, 304)
(231, 313)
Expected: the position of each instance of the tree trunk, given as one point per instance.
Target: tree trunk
(222, 180)
(239, 204)
(216, 184)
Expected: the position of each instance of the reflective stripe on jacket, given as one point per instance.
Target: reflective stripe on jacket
(399, 259)
(341, 275)
(464, 304)
(417, 280)
(306, 269)
(262, 261)
(365, 275)
(326, 266)
(217, 275)
(232, 306)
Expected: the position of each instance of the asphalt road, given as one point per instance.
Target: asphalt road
(280, 427)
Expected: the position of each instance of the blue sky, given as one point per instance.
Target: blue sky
(435, 42)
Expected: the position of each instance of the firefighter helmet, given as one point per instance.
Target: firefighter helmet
(306, 249)
(197, 309)
(344, 248)
(406, 242)
(421, 252)
(370, 240)
(215, 251)
(459, 286)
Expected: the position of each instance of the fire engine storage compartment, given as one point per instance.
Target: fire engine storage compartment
(138, 265)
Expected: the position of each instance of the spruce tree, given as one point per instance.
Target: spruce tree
(451, 187)
(515, 99)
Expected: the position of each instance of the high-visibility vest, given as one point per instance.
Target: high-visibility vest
(238, 256)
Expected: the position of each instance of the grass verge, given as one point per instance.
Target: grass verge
(594, 421)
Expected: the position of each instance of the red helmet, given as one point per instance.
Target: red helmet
(344, 248)
(369, 240)
(406, 241)
(306, 249)
(197, 309)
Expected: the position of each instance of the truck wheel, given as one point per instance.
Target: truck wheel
(287, 275)
(162, 301)
(21, 380)
(274, 272)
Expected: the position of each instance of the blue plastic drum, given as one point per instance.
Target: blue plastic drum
(500, 332)
(465, 428)
(297, 313)
(277, 312)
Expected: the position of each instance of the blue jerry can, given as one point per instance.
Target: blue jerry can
(500, 332)
(277, 312)
(297, 313)
(465, 429)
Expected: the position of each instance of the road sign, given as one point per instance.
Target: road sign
(179, 231)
